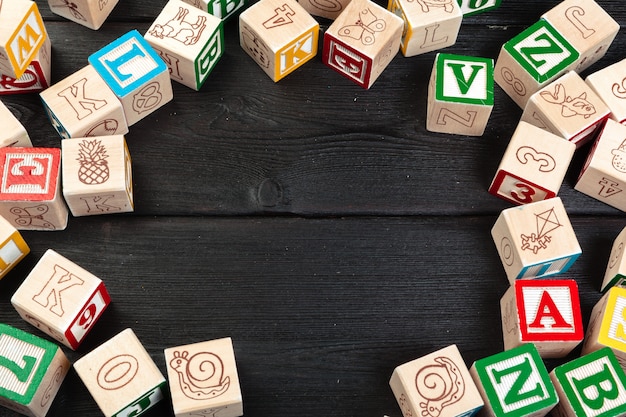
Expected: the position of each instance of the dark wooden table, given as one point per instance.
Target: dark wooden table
(316, 223)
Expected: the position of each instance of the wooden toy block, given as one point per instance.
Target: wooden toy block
(31, 371)
(13, 248)
(533, 59)
(136, 74)
(589, 386)
(97, 175)
(615, 275)
(535, 240)
(603, 176)
(121, 376)
(222, 9)
(460, 95)
(609, 84)
(22, 33)
(471, 7)
(82, 105)
(203, 379)
(61, 299)
(89, 13)
(533, 166)
(436, 385)
(362, 41)
(329, 9)
(279, 35)
(585, 25)
(30, 188)
(429, 25)
(567, 107)
(189, 40)
(514, 383)
(13, 133)
(543, 312)
(37, 76)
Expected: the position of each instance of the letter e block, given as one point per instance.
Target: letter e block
(13, 248)
(607, 325)
(203, 379)
(514, 383)
(471, 7)
(37, 76)
(31, 371)
(89, 13)
(121, 376)
(412, 386)
(615, 274)
(13, 132)
(609, 84)
(222, 9)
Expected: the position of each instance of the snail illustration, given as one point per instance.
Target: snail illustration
(201, 376)
(440, 385)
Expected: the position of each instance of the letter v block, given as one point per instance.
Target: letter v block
(514, 383)
(61, 299)
(607, 325)
(31, 371)
(543, 312)
(593, 385)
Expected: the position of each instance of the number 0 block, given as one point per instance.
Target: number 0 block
(615, 274)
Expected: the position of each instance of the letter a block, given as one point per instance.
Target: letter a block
(535, 240)
(607, 325)
(514, 383)
(31, 371)
(61, 299)
(615, 274)
(13, 132)
(189, 40)
(13, 248)
(609, 84)
(136, 74)
(460, 95)
(543, 312)
(121, 376)
(453, 395)
(590, 386)
(222, 9)
(203, 379)
(89, 13)
(279, 35)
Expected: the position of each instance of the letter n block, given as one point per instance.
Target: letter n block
(607, 325)
(514, 383)
(31, 371)
(535, 240)
(61, 299)
(460, 95)
(13, 132)
(590, 386)
(13, 248)
(37, 76)
(615, 274)
(454, 394)
(30, 188)
(136, 74)
(543, 312)
(203, 379)
(89, 13)
(222, 9)
(121, 376)
(609, 84)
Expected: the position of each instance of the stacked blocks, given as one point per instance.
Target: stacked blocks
(609, 84)
(13, 133)
(13, 248)
(89, 13)
(616, 268)
(607, 325)
(222, 9)
(37, 76)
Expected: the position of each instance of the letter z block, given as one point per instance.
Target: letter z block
(609, 84)
(31, 371)
(89, 13)
(607, 325)
(543, 312)
(514, 383)
(61, 299)
(615, 274)
(13, 133)
(37, 76)
(460, 95)
(593, 385)
(454, 394)
(203, 379)
(136, 74)
(13, 248)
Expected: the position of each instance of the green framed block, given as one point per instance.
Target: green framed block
(464, 79)
(471, 7)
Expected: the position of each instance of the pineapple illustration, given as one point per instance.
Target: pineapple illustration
(92, 157)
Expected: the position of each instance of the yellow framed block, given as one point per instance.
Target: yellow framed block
(13, 133)
(615, 275)
(13, 247)
(37, 76)
(609, 84)
(89, 13)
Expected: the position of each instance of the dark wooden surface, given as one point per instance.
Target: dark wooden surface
(316, 223)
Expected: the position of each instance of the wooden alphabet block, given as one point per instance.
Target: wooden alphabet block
(567, 107)
(533, 59)
(460, 95)
(329, 9)
(592, 385)
(356, 53)
(82, 105)
(89, 13)
(535, 240)
(189, 40)
(136, 74)
(615, 275)
(61, 299)
(609, 84)
(454, 394)
(429, 25)
(603, 176)
(203, 379)
(471, 7)
(13, 248)
(22, 33)
(31, 371)
(585, 25)
(13, 133)
(121, 376)
(545, 312)
(30, 188)
(279, 35)
(514, 383)
(36, 77)
(222, 9)
(533, 166)
(97, 175)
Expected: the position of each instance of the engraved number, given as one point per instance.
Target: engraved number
(513, 81)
